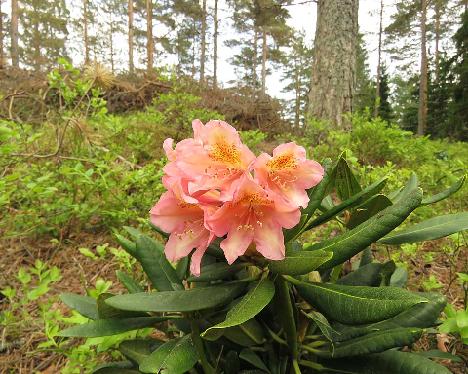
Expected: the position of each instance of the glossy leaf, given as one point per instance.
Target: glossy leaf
(352, 201)
(374, 342)
(252, 358)
(367, 275)
(173, 357)
(444, 194)
(406, 191)
(129, 283)
(217, 271)
(357, 304)
(248, 307)
(433, 228)
(111, 326)
(138, 349)
(178, 301)
(85, 305)
(367, 210)
(150, 254)
(248, 334)
(300, 262)
(421, 315)
(352, 242)
(322, 324)
(346, 183)
(389, 362)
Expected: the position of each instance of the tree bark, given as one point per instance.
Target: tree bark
(111, 45)
(254, 59)
(85, 32)
(379, 62)
(2, 52)
(203, 43)
(14, 34)
(264, 58)
(437, 39)
(422, 109)
(215, 46)
(334, 64)
(131, 64)
(149, 36)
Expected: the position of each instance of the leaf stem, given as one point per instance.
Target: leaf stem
(207, 368)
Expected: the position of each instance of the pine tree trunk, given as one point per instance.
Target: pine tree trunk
(85, 31)
(149, 36)
(297, 92)
(334, 65)
(131, 64)
(203, 43)
(437, 40)
(2, 52)
(111, 45)
(264, 58)
(215, 45)
(254, 60)
(14, 34)
(422, 109)
(379, 62)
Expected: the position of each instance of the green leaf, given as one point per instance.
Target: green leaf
(346, 183)
(399, 277)
(252, 358)
(85, 305)
(367, 275)
(138, 349)
(174, 357)
(317, 193)
(435, 353)
(127, 245)
(178, 301)
(374, 342)
(433, 228)
(421, 315)
(121, 367)
(352, 242)
(217, 271)
(367, 210)
(352, 201)
(110, 326)
(389, 362)
(444, 194)
(300, 262)
(407, 190)
(162, 275)
(247, 334)
(248, 307)
(357, 304)
(129, 283)
(322, 324)
(182, 267)
(106, 311)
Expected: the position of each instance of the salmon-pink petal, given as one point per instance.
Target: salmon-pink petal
(197, 255)
(287, 218)
(197, 127)
(309, 174)
(269, 241)
(168, 147)
(236, 243)
(170, 213)
(182, 241)
(290, 148)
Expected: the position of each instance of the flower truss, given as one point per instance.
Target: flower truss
(216, 187)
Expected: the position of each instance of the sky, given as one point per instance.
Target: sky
(303, 17)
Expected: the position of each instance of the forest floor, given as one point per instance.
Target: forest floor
(79, 272)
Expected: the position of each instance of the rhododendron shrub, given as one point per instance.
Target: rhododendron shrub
(217, 187)
(237, 286)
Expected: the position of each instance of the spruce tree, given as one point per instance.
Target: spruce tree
(44, 31)
(297, 73)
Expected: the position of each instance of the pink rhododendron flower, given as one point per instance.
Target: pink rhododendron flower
(255, 216)
(185, 222)
(288, 173)
(215, 157)
(212, 192)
